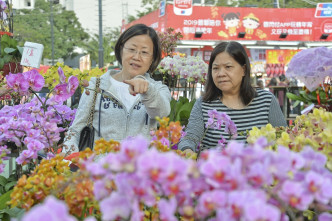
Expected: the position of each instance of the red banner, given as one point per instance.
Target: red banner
(225, 23)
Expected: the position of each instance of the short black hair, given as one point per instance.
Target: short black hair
(135, 30)
(236, 51)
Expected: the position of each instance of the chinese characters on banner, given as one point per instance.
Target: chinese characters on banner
(32, 54)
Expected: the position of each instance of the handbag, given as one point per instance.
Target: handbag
(88, 132)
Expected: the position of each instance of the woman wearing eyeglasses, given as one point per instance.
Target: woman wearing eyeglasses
(129, 100)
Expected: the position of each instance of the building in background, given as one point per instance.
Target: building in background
(30, 4)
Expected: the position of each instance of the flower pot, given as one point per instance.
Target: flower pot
(12, 67)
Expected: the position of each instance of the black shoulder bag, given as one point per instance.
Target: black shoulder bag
(88, 132)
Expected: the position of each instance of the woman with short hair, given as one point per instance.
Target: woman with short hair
(129, 100)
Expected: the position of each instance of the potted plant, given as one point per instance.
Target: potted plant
(6, 21)
(10, 55)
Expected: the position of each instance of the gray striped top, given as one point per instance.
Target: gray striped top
(263, 109)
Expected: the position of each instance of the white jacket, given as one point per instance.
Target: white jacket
(112, 120)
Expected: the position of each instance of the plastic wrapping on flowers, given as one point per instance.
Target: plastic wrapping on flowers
(311, 66)
(191, 68)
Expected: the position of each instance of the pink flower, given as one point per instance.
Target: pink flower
(259, 210)
(210, 201)
(62, 76)
(116, 206)
(36, 81)
(72, 84)
(167, 209)
(17, 82)
(325, 217)
(215, 169)
(295, 195)
(319, 186)
(60, 92)
(51, 210)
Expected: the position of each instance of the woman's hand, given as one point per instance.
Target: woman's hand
(137, 86)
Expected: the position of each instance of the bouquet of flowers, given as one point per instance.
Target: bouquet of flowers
(191, 68)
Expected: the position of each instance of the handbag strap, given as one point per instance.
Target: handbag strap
(92, 108)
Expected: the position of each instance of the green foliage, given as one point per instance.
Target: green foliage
(6, 188)
(8, 214)
(181, 109)
(10, 51)
(34, 26)
(109, 40)
(308, 97)
(6, 184)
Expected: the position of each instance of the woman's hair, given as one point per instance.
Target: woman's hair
(236, 51)
(273, 82)
(135, 30)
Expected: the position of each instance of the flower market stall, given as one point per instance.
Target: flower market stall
(139, 179)
(280, 174)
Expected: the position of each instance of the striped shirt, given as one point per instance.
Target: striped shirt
(263, 109)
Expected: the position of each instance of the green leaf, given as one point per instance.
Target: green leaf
(309, 214)
(5, 217)
(322, 96)
(10, 185)
(4, 199)
(295, 97)
(12, 178)
(296, 103)
(2, 62)
(308, 97)
(3, 180)
(9, 50)
(20, 49)
(14, 212)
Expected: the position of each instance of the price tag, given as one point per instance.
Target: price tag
(32, 54)
(308, 109)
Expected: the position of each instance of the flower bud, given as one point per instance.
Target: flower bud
(85, 83)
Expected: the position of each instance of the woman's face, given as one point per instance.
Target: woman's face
(227, 74)
(137, 55)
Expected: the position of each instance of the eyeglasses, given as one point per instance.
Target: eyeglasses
(143, 54)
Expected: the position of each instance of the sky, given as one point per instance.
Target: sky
(87, 12)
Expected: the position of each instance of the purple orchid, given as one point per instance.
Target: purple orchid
(51, 209)
(115, 206)
(62, 76)
(167, 209)
(36, 81)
